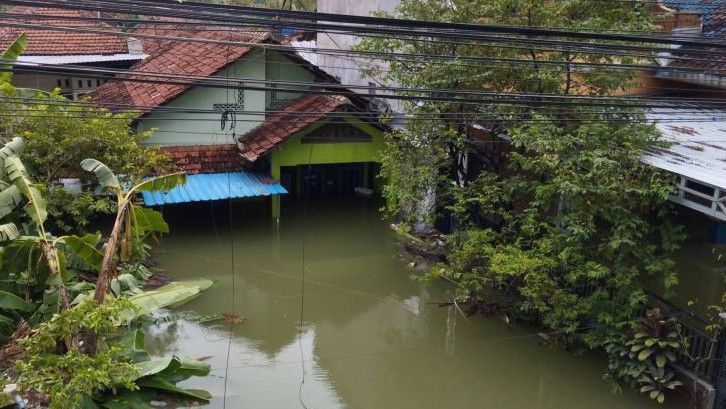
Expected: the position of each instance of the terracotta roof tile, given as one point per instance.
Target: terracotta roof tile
(713, 20)
(178, 58)
(713, 13)
(278, 127)
(58, 42)
(205, 158)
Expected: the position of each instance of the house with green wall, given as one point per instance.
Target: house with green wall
(282, 126)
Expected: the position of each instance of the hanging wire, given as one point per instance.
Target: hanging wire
(570, 46)
(426, 28)
(231, 117)
(302, 275)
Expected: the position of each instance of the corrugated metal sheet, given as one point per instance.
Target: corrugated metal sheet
(80, 59)
(216, 186)
(699, 144)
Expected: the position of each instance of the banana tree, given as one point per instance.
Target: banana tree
(23, 189)
(31, 262)
(133, 224)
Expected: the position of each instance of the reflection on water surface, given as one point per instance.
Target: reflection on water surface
(372, 337)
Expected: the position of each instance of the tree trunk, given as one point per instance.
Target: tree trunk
(51, 258)
(107, 267)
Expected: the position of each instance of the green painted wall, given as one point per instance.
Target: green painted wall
(204, 129)
(294, 152)
(280, 68)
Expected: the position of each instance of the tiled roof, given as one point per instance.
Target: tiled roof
(205, 158)
(279, 126)
(177, 58)
(58, 42)
(713, 24)
(692, 58)
(713, 13)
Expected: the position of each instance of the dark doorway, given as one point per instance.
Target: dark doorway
(324, 180)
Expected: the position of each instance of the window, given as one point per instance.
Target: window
(98, 83)
(336, 133)
(59, 82)
(68, 83)
(80, 83)
(89, 83)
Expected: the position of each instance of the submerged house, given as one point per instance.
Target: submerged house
(270, 123)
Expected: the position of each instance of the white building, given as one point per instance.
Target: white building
(347, 67)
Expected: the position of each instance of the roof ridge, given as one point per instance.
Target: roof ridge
(280, 126)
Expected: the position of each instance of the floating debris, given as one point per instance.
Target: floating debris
(234, 319)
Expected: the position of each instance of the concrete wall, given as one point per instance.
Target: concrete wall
(204, 128)
(346, 68)
(280, 68)
(72, 87)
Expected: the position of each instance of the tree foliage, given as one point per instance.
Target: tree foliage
(58, 134)
(573, 224)
(67, 376)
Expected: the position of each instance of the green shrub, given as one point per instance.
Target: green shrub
(56, 363)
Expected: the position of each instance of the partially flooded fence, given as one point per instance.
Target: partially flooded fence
(702, 347)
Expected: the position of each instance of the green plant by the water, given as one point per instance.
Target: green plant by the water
(56, 364)
(643, 356)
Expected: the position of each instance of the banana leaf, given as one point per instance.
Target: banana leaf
(161, 183)
(171, 369)
(7, 327)
(186, 369)
(11, 54)
(36, 206)
(9, 301)
(170, 295)
(149, 220)
(164, 385)
(134, 345)
(105, 175)
(10, 198)
(17, 256)
(8, 231)
(86, 247)
(125, 284)
(12, 148)
(156, 366)
(129, 400)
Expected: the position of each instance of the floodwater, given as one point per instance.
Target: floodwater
(370, 338)
(701, 265)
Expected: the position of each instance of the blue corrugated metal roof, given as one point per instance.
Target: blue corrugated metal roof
(216, 186)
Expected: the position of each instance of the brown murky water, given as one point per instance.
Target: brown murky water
(371, 337)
